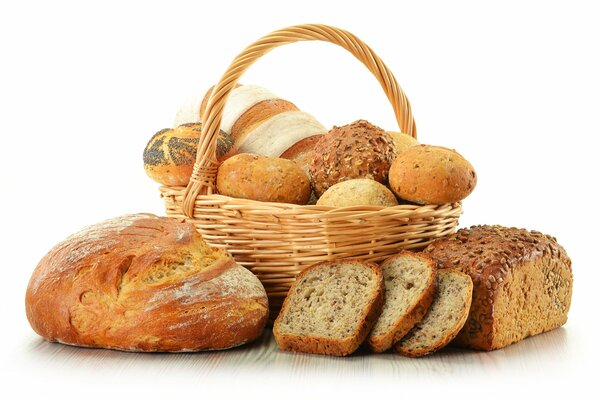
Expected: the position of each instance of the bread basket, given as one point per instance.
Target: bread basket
(275, 240)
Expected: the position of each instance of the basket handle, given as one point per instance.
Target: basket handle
(204, 175)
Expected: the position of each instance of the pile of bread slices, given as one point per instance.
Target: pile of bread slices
(271, 151)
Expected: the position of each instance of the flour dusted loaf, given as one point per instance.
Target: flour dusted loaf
(330, 308)
(170, 154)
(259, 121)
(358, 192)
(522, 282)
(261, 178)
(357, 150)
(144, 283)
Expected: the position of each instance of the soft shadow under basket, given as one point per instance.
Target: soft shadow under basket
(275, 240)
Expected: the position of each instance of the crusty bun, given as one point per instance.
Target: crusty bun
(358, 150)
(402, 141)
(249, 176)
(358, 192)
(427, 174)
(170, 154)
(144, 283)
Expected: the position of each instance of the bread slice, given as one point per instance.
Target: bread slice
(330, 308)
(445, 318)
(410, 285)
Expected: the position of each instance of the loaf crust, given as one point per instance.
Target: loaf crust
(426, 174)
(357, 150)
(331, 346)
(358, 192)
(144, 283)
(249, 176)
(522, 282)
(381, 343)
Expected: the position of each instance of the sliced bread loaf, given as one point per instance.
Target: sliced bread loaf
(444, 319)
(330, 308)
(410, 284)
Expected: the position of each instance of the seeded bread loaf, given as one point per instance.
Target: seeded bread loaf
(330, 308)
(444, 319)
(144, 283)
(410, 286)
(522, 282)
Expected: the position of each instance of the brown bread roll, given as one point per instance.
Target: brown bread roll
(261, 178)
(170, 154)
(357, 150)
(522, 280)
(144, 283)
(358, 192)
(427, 174)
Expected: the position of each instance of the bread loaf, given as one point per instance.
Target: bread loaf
(427, 174)
(330, 308)
(258, 121)
(253, 177)
(402, 141)
(170, 154)
(144, 283)
(357, 150)
(522, 282)
(358, 192)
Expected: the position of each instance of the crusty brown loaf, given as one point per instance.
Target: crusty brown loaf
(144, 283)
(249, 176)
(357, 150)
(522, 282)
(170, 154)
(319, 314)
(427, 174)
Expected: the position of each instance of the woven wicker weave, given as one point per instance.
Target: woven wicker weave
(276, 240)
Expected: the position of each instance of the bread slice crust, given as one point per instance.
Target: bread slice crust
(331, 346)
(404, 349)
(415, 312)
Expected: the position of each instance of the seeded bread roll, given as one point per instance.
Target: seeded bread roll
(523, 282)
(358, 150)
(427, 174)
(249, 176)
(144, 283)
(358, 192)
(170, 154)
(330, 308)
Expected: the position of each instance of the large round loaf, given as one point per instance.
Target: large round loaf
(144, 283)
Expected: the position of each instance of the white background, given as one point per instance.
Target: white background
(513, 86)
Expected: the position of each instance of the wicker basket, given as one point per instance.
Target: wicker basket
(275, 240)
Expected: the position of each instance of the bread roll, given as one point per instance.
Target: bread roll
(249, 176)
(358, 150)
(144, 283)
(402, 141)
(427, 174)
(170, 154)
(523, 283)
(358, 192)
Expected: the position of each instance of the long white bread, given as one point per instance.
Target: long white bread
(278, 133)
